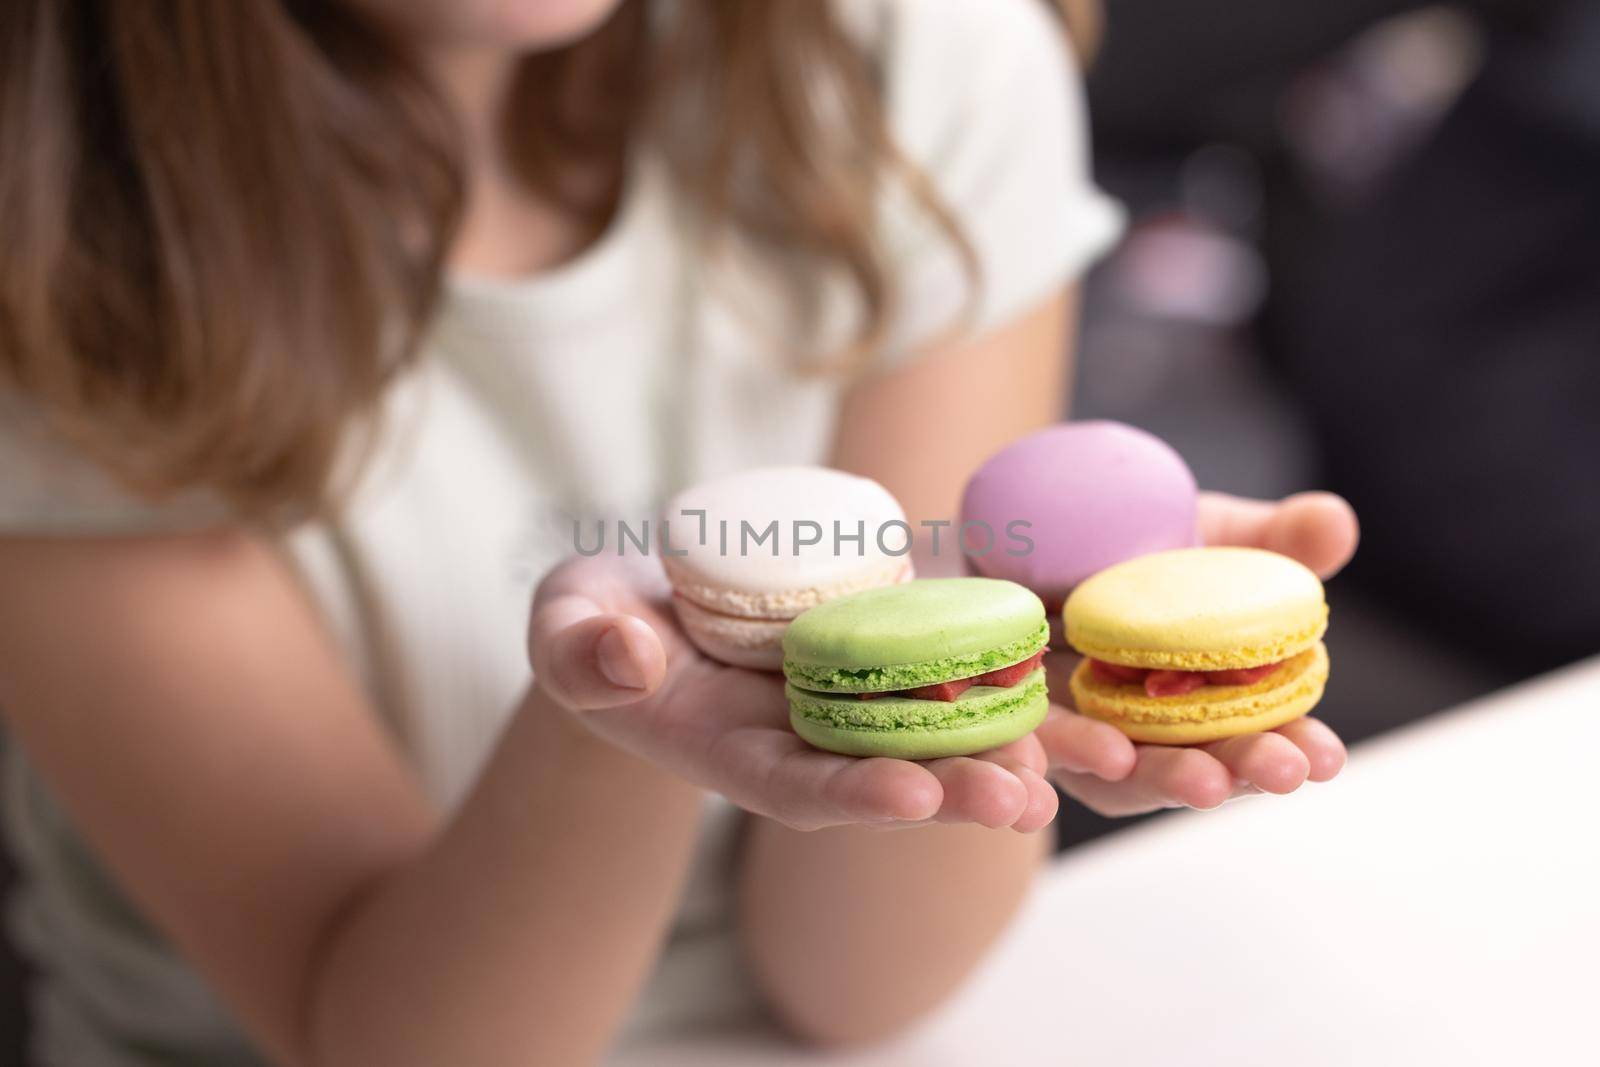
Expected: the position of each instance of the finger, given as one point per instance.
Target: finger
(1075, 743)
(1078, 744)
(1318, 529)
(1025, 759)
(1038, 811)
(1025, 751)
(587, 659)
(1268, 761)
(772, 772)
(877, 790)
(1043, 803)
(1111, 799)
(1322, 747)
(1164, 778)
(980, 791)
(1172, 777)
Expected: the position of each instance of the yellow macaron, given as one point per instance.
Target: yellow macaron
(1198, 644)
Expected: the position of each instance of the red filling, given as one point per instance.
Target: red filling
(948, 691)
(1176, 683)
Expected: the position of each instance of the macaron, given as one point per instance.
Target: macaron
(1198, 644)
(935, 667)
(1074, 499)
(748, 552)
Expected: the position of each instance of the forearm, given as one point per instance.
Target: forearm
(854, 933)
(521, 935)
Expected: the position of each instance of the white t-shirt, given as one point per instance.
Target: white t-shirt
(596, 389)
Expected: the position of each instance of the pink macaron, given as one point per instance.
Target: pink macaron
(748, 552)
(1091, 494)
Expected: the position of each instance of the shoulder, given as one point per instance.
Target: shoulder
(971, 28)
(976, 90)
(984, 98)
(945, 59)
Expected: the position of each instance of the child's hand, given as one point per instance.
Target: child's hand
(606, 647)
(1102, 769)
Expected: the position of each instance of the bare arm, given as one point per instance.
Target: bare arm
(180, 698)
(853, 974)
(922, 429)
(923, 904)
(857, 933)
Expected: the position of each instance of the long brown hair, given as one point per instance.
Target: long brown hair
(226, 223)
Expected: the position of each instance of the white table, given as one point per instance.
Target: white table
(1439, 903)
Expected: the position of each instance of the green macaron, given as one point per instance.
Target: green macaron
(949, 666)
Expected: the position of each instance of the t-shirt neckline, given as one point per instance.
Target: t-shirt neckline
(575, 287)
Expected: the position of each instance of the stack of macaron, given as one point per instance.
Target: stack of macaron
(1198, 644)
(748, 552)
(1091, 494)
(938, 667)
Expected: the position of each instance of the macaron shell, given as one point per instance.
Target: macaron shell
(984, 717)
(779, 604)
(1093, 493)
(1210, 713)
(829, 679)
(730, 572)
(1198, 609)
(915, 623)
(753, 643)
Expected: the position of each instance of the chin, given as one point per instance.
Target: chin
(535, 24)
(523, 25)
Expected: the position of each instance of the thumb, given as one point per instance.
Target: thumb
(1318, 529)
(586, 658)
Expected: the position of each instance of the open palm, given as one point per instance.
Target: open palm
(1097, 765)
(606, 646)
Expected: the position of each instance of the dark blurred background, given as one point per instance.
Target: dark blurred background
(1364, 255)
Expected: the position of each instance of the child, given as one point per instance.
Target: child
(311, 313)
